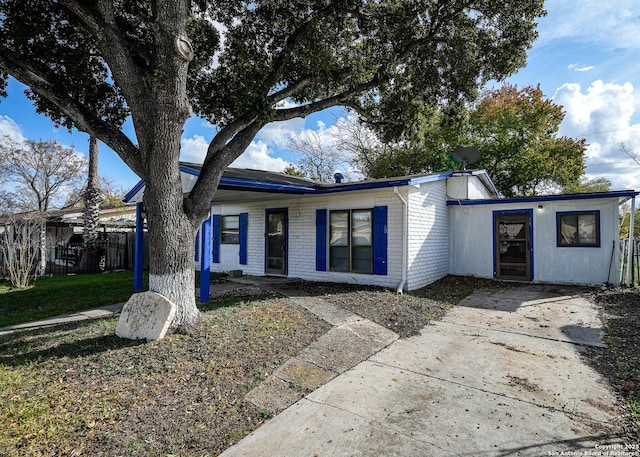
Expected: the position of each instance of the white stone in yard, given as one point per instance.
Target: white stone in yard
(146, 315)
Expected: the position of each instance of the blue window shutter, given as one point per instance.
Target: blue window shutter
(215, 232)
(205, 261)
(380, 240)
(321, 240)
(244, 225)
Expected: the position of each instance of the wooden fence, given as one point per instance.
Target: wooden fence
(624, 249)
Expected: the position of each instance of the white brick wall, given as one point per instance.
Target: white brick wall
(428, 240)
(302, 235)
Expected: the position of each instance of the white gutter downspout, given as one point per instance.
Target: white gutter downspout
(629, 281)
(405, 224)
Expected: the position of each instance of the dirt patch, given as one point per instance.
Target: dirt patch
(619, 363)
(523, 383)
(405, 314)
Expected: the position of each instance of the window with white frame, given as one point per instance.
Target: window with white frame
(230, 229)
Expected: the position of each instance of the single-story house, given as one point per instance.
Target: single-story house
(61, 230)
(404, 232)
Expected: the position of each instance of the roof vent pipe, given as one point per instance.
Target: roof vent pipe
(338, 177)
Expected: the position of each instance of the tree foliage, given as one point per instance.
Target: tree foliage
(45, 173)
(625, 221)
(425, 146)
(586, 185)
(92, 64)
(292, 170)
(514, 129)
(516, 133)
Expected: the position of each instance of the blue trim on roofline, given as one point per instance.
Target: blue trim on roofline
(189, 170)
(347, 187)
(127, 198)
(240, 184)
(545, 198)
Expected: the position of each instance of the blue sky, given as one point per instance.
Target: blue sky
(587, 59)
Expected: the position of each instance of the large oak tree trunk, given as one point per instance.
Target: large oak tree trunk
(171, 242)
(161, 117)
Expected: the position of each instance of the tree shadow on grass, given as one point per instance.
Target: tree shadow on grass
(73, 340)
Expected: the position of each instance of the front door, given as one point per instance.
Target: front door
(276, 242)
(512, 239)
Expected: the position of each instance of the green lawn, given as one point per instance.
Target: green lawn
(63, 294)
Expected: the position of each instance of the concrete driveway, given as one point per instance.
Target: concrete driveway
(501, 375)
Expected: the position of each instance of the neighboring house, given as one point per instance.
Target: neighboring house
(63, 237)
(404, 232)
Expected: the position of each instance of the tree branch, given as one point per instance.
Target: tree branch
(633, 155)
(223, 136)
(291, 89)
(196, 205)
(117, 50)
(75, 111)
(291, 42)
(340, 99)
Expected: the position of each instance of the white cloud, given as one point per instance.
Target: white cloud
(8, 127)
(259, 157)
(193, 149)
(608, 24)
(277, 134)
(581, 68)
(603, 115)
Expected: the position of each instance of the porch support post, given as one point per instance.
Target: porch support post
(205, 260)
(138, 260)
(629, 280)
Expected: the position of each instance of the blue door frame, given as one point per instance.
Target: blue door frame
(527, 239)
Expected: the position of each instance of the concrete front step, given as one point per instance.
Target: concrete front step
(349, 342)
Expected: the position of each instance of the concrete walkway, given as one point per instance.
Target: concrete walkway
(97, 313)
(501, 375)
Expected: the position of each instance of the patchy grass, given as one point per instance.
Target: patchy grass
(63, 294)
(79, 390)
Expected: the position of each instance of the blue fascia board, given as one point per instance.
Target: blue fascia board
(545, 198)
(349, 187)
(127, 198)
(430, 178)
(189, 170)
(228, 183)
(267, 186)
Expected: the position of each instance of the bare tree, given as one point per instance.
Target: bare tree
(319, 156)
(20, 241)
(44, 172)
(359, 143)
(632, 154)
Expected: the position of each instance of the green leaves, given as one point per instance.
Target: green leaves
(515, 130)
(40, 37)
